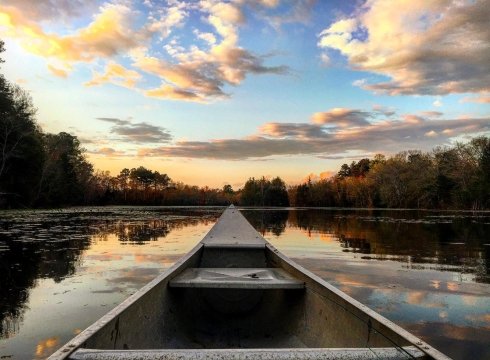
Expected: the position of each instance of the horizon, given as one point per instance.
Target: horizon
(242, 89)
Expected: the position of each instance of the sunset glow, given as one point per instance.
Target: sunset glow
(213, 92)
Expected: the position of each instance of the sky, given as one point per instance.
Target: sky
(214, 92)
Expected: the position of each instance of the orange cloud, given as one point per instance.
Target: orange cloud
(57, 71)
(192, 74)
(116, 74)
(342, 117)
(108, 152)
(173, 93)
(109, 33)
(483, 99)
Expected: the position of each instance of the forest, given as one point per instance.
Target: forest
(39, 169)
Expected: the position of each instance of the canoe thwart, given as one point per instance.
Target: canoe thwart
(408, 352)
(236, 278)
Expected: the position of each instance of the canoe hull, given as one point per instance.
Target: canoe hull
(241, 296)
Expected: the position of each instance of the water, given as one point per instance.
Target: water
(60, 270)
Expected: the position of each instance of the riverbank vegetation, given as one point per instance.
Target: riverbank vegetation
(456, 177)
(39, 169)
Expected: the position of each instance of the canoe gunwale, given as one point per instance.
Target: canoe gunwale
(240, 354)
(168, 274)
(318, 285)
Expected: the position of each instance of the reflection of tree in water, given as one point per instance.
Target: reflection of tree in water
(357, 245)
(409, 236)
(141, 233)
(24, 263)
(39, 245)
(267, 220)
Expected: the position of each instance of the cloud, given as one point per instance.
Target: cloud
(346, 156)
(52, 10)
(413, 119)
(276, 139)
(483, 99)
(206, 36)
(110, 33)
(173, 93)
(108, 152)
(115, 121)
(423, 47)
(294, 130)
(117, 75)
(386, 111)
(266, 3)
(299, 12)
(437, 102)
(204, 78)
(342, 117)
(138, 132)
(432, 114)
(163, 20)
(196, 72)
(57, 71)
(201, 74)
(230, 149)
(193, 81)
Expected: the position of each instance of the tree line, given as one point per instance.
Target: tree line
(39, 169)
(456, 177)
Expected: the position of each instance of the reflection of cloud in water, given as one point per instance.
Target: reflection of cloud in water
(435, 284)
(469, 300)
(481, 320)
(346, 280)
(84, 247)
(416, 297)
(424, 299)
(44, 347)
(463, 333)
(452, 286)
(162, 259)
(108, 291)
(103, 257)
(135, 276)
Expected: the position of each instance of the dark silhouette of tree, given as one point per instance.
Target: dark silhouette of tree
(264, 192)
(276, 193)
(66, 175)
(21, 152)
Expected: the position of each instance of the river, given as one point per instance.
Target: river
(428, 271)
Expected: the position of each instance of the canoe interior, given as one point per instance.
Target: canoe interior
(197, 317)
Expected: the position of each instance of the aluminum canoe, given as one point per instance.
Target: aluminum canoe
(235, 296)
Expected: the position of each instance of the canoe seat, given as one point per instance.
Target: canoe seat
(236, 278)
(408, 352)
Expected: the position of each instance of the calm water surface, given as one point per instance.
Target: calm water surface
(427, 271)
